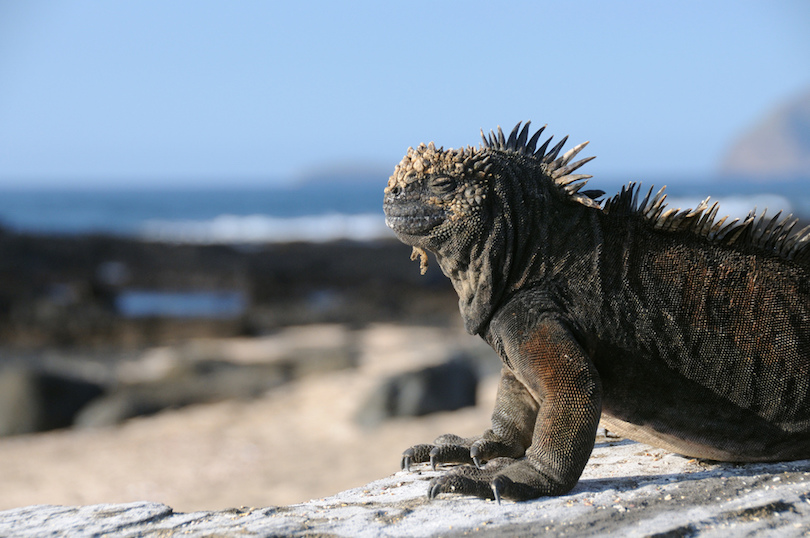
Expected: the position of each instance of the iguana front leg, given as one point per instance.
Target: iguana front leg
(511, 433)
(557, 373)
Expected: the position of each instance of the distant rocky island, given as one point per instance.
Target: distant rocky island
(777, 147)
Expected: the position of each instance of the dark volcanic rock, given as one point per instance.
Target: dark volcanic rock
(206, 381)
(32, 401)
(63, 291)
(445, 387)
(199, 383)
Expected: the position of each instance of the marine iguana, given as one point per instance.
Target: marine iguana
(680, 330)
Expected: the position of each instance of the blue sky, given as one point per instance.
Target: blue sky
(183, 93)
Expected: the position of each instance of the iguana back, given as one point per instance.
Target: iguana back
(715, 336)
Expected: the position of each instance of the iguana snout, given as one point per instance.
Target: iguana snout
(407, 213)
(436, 195)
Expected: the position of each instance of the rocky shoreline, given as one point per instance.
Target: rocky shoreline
(74, 310)
(289, 443)
(72, 291)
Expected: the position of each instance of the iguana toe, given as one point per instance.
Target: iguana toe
(433, 490)
(415, 454)
(463, 480)
(501, 478)
(449, 454)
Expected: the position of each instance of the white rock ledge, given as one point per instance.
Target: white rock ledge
(628, 489)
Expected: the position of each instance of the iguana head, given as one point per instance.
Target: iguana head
(479, 210)
(438, 199)
(435, 194)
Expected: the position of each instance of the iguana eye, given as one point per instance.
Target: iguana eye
(443, 185)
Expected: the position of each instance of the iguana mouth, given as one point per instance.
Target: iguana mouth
(412, 223)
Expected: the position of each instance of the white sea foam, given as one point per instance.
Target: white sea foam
(263, 229)
(738, 206)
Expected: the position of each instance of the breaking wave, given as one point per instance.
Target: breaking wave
(267, 229)
(738, 206)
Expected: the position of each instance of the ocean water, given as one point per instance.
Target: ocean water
(311, 212)
(212, 215)
(211, 304)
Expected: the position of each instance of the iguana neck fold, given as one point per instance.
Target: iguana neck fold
(517, 251)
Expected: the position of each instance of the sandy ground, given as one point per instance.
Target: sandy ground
(296, 443)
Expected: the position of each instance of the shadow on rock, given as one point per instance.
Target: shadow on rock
(716, 474)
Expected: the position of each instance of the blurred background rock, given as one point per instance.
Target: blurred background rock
(67, 322)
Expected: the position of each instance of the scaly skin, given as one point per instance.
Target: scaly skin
(684, 332)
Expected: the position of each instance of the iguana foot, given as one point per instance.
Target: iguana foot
(468, 480)
(500, 478)
(451, 448)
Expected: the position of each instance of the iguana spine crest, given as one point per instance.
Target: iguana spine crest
(558, 169)
(772, 236)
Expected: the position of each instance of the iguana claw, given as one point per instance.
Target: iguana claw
(407, 457)
(496, 489)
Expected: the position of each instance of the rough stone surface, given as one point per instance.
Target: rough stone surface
(628, 489)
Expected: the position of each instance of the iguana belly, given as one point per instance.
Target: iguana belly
(798, 448)
(659, 406)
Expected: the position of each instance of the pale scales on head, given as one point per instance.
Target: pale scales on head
(426, 160)
(772, 236)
